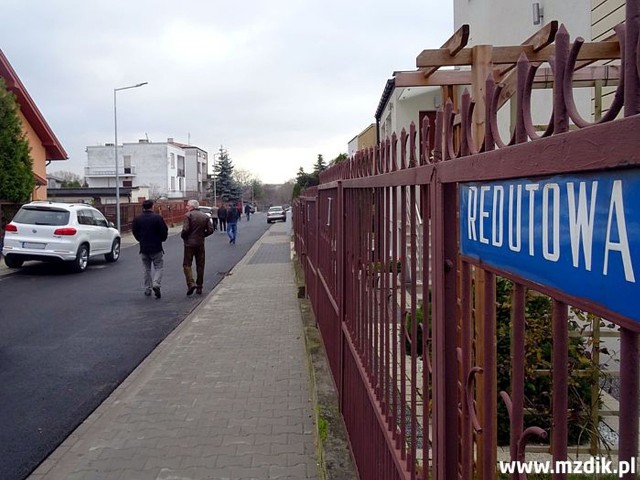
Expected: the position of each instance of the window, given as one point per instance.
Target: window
(99, 218)
(173, 184)
(85, 217)
(173, 160)
(41, 216)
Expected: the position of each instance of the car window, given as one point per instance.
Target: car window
(99, 218)
(85, 217)
(41, 216)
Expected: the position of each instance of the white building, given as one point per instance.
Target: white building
(168, 169)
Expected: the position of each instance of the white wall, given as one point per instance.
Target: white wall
(151, 163)
(510, 22)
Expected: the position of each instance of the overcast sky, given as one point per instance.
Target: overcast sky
(275, 82)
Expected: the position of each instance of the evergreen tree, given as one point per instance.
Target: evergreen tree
(16, 173)
(227, 188)
(343, 157)
(304, 180)
(320, 165)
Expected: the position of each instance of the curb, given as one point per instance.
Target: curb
(333, 450)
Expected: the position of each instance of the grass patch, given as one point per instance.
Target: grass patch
(323, 428)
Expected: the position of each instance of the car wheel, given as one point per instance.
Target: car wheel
(114, 254)
(82, 259)
(13, 261)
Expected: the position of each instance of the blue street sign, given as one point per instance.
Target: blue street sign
(577, 234)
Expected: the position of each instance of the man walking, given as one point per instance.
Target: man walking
(233, 216)
(195, 229)
(150, 230)
(222, 217)
(214, 216)
(247, 211)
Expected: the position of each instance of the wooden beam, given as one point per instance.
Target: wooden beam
(456, 42)
(543, 37)
(503, 55)
(441, 77)
(586, 77)
(481, 69)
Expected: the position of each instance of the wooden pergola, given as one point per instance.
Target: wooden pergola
(499, 62)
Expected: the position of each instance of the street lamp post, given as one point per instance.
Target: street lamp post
(215, 180)
(115, 147)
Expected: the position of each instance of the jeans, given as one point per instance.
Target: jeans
(189, 254)
(157, 260)
(232, 231)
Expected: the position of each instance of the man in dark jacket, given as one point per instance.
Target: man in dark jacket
(222, 216)
(232, 223)
(195, 229)
(150, 230)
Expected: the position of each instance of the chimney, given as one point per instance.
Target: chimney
(170, 140)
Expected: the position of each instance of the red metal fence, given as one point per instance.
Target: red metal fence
(394, 252)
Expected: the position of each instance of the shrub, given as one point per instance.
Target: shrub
(538, 356)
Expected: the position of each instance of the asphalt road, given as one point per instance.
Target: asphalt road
(68, 340)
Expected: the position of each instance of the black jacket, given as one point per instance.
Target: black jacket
(150, 230)
(233, 215)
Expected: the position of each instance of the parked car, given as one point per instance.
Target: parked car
(65, 232)
(276, 213)
(208, 212)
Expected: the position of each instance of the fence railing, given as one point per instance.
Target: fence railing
(547, 220)
(172, 211)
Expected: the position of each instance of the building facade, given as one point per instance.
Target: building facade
(44, 146)
(166, 169)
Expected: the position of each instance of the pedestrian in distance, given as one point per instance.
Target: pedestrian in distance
(233, 216)
(222, 217)
(151, 230)
(247, 211)
(214, 217)
(195, 228)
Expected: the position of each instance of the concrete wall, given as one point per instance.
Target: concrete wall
(404, 107)
(510, 22)
(196, 170)
(151, 164)
(368, 137)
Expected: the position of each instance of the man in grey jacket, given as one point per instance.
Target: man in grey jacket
(195, 228)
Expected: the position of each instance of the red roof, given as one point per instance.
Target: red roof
(53, 147)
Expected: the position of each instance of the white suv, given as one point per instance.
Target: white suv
(66, 232)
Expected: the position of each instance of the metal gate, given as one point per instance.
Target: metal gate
(402, 255)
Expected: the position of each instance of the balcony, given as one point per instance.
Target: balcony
(109, 171)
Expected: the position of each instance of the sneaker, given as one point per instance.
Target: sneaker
(191, 290)
(156, 290)
(199, 291)
(147, 292)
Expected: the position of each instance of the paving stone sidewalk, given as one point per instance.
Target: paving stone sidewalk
(225, 396)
